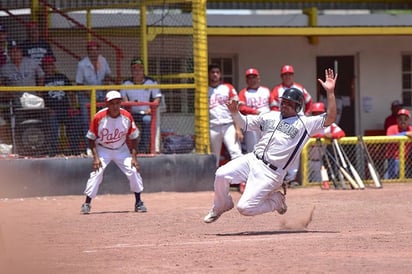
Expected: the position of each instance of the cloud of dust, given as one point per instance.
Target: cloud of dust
(301, 222)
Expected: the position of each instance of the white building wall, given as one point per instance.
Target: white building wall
(377, 61)
(378, 65)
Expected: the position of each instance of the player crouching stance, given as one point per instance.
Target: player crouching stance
(284, 133)
(107, 136)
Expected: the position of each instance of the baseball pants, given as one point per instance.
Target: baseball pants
(123, 159)
(224, 134)
(261, 194)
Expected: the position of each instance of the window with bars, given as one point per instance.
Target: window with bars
(407, 80)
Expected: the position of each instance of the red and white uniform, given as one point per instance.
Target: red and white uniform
(252, 102)
(277, 93)
(222, 128)
(219, 96)
(110, 135)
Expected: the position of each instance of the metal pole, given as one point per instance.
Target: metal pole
(13, 126)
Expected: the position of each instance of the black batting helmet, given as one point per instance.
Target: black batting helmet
(294, 95)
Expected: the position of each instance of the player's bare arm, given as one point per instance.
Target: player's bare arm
(238, 133)
(97, 164)
(329, 86)
(238, 118)
(134, 162)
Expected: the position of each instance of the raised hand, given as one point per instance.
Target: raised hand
(330, 80)
(233, 105)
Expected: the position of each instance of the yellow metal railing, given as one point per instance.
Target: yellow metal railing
(93, 90)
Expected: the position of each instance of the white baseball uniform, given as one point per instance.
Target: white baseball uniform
(110, 135)
(276, 95)
(222, 129)
(264, 169)
(253, 101)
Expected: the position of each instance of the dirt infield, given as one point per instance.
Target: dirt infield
(358, 231)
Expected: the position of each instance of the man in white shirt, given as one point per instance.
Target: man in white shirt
(92, 70)
(141, 114)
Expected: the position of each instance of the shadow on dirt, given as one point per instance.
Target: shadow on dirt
(110, 212)
(275, 232)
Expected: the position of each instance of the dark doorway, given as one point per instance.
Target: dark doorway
(345, 88)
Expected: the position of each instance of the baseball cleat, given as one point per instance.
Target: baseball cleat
(140, 207)
(213, 216)
(85, 209)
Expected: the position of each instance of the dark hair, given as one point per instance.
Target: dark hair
(213, 66)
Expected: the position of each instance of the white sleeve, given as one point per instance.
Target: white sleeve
(79, 74)
(156, 92)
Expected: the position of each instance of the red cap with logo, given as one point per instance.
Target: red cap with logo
(92, 44)
(287, 69)
(404, 112)
(318, 107)
(252, 71)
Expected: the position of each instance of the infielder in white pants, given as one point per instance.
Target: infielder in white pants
(284, 134)
(110, 129)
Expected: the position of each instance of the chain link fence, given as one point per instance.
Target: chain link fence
(93, 48)
(391, 158)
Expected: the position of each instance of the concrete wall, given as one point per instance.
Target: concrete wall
(59, 176)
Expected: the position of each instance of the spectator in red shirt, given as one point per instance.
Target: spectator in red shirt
(391, 119)
(402, 128)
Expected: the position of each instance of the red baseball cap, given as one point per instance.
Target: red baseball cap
(318, 107)
(287, 69)
(92, 43)
(252, 71)
(48, 60)
(404, 111)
